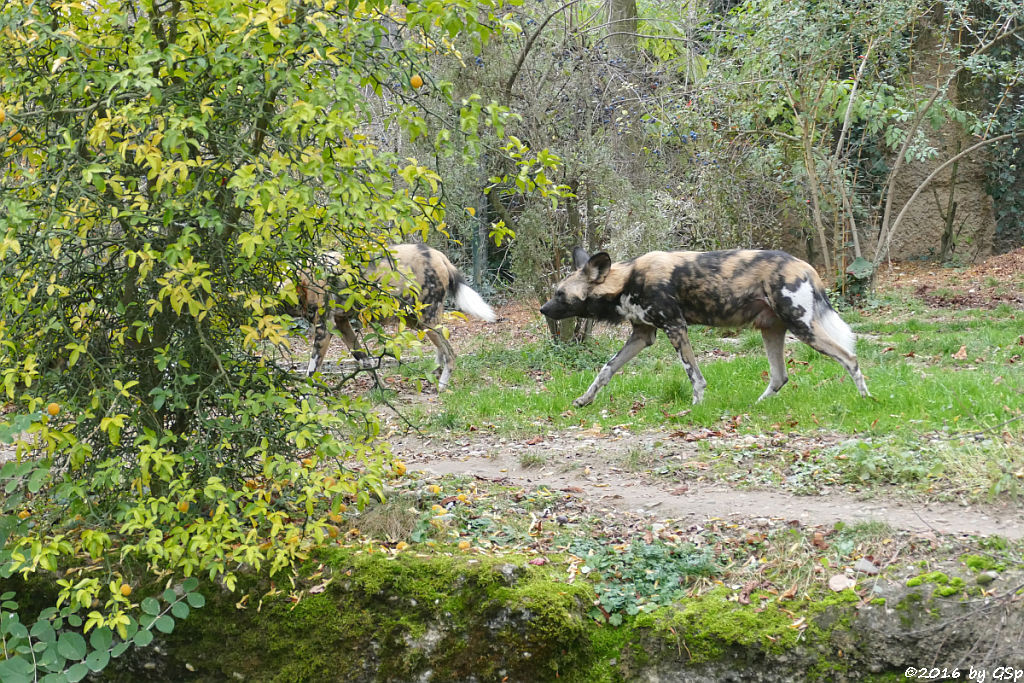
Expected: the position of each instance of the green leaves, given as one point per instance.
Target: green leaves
(162, 180)
(54, 649)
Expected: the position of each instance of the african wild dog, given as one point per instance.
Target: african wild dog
(770, 290)
(428, 278)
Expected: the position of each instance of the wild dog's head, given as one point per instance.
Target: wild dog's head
(571, 295)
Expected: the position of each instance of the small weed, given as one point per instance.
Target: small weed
(640, 458)
(860, 538)
(532, 459)
(392, 520)
(380, 395)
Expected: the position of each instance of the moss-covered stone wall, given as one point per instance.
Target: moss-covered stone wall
(408, 617)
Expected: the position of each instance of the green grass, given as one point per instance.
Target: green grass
(910, 368)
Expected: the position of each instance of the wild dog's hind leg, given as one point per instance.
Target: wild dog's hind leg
(348, 334)
(445, 357)
(820, 340)
(774, 345)
(642, 337)
(680, 338)
(321, 342)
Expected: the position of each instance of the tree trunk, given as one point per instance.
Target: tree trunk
(622, 25)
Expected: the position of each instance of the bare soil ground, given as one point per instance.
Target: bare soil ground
(590, 466)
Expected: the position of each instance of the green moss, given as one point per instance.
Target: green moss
(981, 563)
(944, 585)
(381, 617)
(707, 627)
(931, 577)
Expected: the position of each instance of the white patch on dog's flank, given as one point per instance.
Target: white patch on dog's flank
(634, 313)
(836, 327)
(802, 296)
(472, 303)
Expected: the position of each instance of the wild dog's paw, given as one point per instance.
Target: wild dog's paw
(583, 401)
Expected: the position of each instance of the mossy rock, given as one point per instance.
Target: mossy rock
(459, 618)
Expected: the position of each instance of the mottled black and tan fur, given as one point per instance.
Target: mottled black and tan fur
(427, 278)
(770, 290)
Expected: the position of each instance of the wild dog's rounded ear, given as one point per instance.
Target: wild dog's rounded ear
(597, 267)
(579, 257)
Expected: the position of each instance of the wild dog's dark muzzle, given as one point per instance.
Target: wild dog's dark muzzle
(552, 310)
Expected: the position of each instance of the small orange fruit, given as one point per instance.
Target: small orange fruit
(183, 506)
(335, 517)
(126, 590)
(332, 531)
(401, 545)
(53, 409)
(3, 116)
(15, 137)
(463, 545)
(24, 514)
(416, 81)
(308, 462)
(399, 467)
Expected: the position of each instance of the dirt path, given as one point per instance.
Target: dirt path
(590, 467)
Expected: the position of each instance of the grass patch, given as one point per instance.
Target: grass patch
(918, 384)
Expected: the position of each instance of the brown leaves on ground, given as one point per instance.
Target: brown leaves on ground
(995, 281)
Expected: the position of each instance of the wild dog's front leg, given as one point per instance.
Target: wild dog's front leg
(775, 346)
(642, 337)
(352, 341)
(680, 338)
(321, 342)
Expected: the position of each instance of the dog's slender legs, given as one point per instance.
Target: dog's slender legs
(321, 342)
(348, 334)
(774, 345)
(820, 341)
(680, 339)
(640, 339)
(445, 357)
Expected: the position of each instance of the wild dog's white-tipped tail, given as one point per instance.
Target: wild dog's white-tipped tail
(836, 327)
(472, 303)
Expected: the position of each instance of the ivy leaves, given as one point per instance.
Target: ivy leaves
(62, 647)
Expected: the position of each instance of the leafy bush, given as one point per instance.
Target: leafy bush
(165, 169)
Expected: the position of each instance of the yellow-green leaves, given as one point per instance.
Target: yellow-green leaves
(168, 177)
(183, 288)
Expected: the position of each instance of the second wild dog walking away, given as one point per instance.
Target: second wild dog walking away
(770, 290)
(427, 278)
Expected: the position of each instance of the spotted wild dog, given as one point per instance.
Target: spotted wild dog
(426, 277)
(771, 290)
